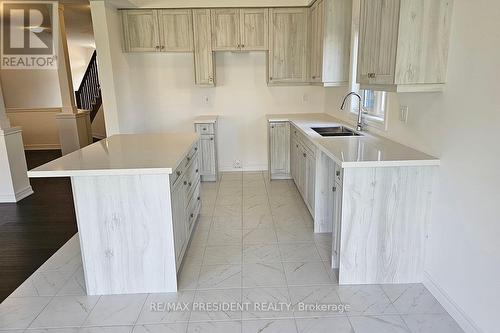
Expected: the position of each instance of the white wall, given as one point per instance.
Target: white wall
(156, 92)
(461, 126)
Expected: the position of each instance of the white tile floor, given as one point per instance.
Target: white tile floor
(254, 244)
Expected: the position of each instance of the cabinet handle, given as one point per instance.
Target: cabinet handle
(371, 75)
(196, 170)
(305, 155)
(190, 184)
(189, 159)
(297, 146)
(211, 139)
(198, 198)
(157, 47)
(272, 126)
(314, 77)
(195, 148)
(337, 173)
(163, 47)
(243, 45)
(204, 128)
(270, 78)
(185, 182)
(334, 189)
(192, 215)
(178, 173)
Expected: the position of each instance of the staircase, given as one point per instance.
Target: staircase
(88, 96)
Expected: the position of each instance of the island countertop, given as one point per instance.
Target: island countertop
(368, 150)
(122, 154)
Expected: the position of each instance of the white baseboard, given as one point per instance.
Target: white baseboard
(249, 168)
(15, 197)
(463, 320)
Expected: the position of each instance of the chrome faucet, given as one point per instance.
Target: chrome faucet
(359, 126)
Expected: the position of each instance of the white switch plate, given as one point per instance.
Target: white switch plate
(403, 114)
(305, 99)
(206, 100)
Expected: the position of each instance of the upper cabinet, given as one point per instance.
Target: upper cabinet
(167, 30)
(203, 56)
(236, 29)
(176, 30)
(403, 44)
(330, 42)
(140, 31)
(288, 45)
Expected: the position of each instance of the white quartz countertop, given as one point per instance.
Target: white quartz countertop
(368, 150)
(123, 154)
(206, 119)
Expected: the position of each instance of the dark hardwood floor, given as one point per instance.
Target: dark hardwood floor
(36, 227)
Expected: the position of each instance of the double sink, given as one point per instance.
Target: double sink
(335, 131)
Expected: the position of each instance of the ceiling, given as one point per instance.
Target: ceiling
(206, 3)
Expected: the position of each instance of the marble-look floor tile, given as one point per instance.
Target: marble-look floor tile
(43, 283)
(228, 211)
(231, 190)
(199, 237)
(95, 329)
(261, 253)
(161, 328)
(294, 234)
(215, 327)
(251, 200)
(299, 252)
(267, 303)
(18, 313)
(227, 222)
(269, 326)
(75, 286)
(305, 273)
(195, 253)
(303, 299)
(263, 275)
(366, 300)
(322, 325)
(67, 259)
(157, 309)
(431, 323)
(65, 311)
(324, 250)
(116, 310)
(258, 221)
(228, 298)
(259, 236)
(412, 298)
(257, 208)
(379, 324)
(220, 255)
(229, 200)
(249, 190)
(220, 276)
(188, 277)
(224, 237)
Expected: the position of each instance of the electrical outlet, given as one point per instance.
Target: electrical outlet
(206, 100)
(403, 114)
(237, 164)
(305, 99)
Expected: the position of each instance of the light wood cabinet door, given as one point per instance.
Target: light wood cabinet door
(207, 155)
(316, 41)
(179, 218)
(203, 55)
(288, 45)
(378, 39)
(310, 182)
(337, 223)
(225, 29)
(279, 150)
(140, 31)
(254, 28)
(294, 153)
(176, 30)
(301, 170)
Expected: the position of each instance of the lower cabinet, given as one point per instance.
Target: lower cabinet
(186, 201)
(208, 151)
(337, 219)
(279, 150)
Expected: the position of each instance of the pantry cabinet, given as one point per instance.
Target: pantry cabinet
(330, 42)
(288, 47)
(403, 44)
(236, 29)
(279, 150)
(203, 55)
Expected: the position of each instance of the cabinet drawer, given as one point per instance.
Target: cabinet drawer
(205, 128)
(194, 207)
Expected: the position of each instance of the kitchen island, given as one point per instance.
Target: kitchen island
(373, 194)
(136, 199)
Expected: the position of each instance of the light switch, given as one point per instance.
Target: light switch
(206, 100)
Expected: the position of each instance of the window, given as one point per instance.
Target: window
(374, 102)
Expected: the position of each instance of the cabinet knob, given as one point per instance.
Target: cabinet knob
(192, 215)
(198, 198)
(196, 170)
(185, 182)
(189, 159)
(195, 148)
(190, 184)
(305, 155)
(314, 77)
(337, 173)
(163, 47)
(372, 75)
(272, 126)
(204, 128)
(297, 146)
(334, 189)
(242, 45)
(178, 173)
(157, 47)
(211, 139)
(270, 78)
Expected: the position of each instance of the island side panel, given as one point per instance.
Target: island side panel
(385, 214)
(126, 233)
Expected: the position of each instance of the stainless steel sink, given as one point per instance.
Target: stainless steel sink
(335, 131)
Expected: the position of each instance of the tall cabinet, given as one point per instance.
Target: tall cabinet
(403, 44)
(204, 72)
(206, 126)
